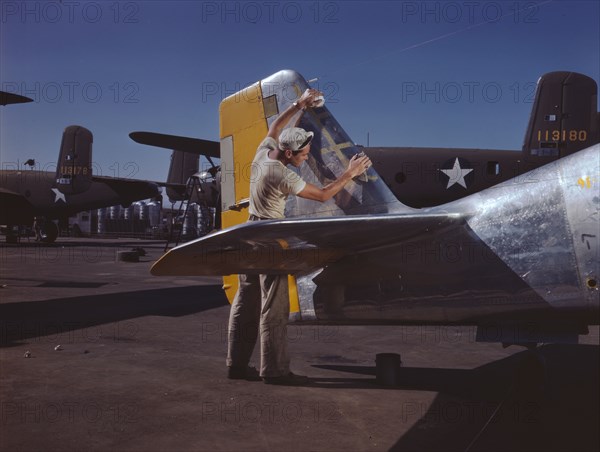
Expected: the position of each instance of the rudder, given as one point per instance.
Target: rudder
(74, 169)
(564, 117)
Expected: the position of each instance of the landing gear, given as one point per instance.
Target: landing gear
(49, 232)
(329, 300)
(530, 377)
(45, 230)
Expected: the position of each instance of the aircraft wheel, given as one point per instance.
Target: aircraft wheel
(49, 232)
(530, 376)
(330, 299)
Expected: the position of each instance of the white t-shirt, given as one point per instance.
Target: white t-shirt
(271, 182)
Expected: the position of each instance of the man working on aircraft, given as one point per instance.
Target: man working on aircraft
(263, 299)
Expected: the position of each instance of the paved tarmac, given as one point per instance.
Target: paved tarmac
(96, 354)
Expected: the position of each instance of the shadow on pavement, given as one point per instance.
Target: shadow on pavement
(501, 406)
(26, 320)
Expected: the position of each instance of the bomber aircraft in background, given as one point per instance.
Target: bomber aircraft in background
(564, 119)
(29, 194)
(519, 259)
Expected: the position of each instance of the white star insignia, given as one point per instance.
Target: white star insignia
(456, 175)
(58, 195)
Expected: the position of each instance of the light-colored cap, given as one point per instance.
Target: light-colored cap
(294, 138)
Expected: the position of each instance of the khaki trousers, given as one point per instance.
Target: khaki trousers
(261, 304)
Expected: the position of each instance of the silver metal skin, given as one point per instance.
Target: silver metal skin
(545, 227)
(528, 250)
(331, 150)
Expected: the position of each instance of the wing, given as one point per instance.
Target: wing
(295, 245)
(7, 98)
(130, 190)
(178, 143)
(14, 208)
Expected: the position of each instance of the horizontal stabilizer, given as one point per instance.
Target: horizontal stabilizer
(295, 245)
(178, 143)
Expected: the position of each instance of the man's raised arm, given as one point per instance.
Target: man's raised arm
(306, 100)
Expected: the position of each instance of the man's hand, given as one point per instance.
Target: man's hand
(359, 163)
(308, 98)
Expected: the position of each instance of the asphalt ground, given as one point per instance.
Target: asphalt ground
(96, 354)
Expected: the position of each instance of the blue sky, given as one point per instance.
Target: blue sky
(440, 73)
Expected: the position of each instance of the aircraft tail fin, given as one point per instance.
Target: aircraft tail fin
(244, 122)
(183, 166)
(564, 118)
(74, 169)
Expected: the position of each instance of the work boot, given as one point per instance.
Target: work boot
(290, 379)
(243, 373)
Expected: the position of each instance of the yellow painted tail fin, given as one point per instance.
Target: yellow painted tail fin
(244, 122)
